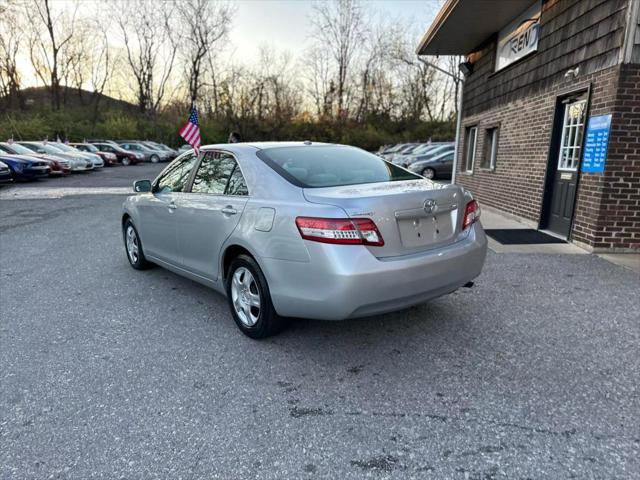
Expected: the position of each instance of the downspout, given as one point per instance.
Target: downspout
(458, 128)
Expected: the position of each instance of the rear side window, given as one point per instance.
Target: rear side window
(237, 185)
(331, 166)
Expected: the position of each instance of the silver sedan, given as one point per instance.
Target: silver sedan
(304, 230)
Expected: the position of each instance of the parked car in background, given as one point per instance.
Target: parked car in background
(95, 159)
(397, 149)
(76, 162)
(426, 154)
(24, 168)
(173, 153)
(184, 148)
(405, 158)
(361, 236)
(124, 157)
(58, 166)
(385, 149)
(389, 149)
(437, 166)
(108, 158)
(150, 155)
(5, 173)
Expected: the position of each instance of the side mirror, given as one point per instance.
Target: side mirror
(142, 186)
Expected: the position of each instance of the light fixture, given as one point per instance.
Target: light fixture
(466, 68)
(572, 73)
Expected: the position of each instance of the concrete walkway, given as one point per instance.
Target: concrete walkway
(494, 219)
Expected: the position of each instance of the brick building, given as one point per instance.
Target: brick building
(550, 125)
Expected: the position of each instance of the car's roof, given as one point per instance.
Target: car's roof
(260, 145)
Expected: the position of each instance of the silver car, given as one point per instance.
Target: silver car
(96, 160)
(76, 163)
(304, 230)
(149, 154)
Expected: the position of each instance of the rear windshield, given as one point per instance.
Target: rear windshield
(331, 166)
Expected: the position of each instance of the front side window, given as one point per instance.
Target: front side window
(219, 174)
(175, 178)
(490, 149)
(331, 166)
(572, 131)
(471, 137)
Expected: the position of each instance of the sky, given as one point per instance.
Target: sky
(285, 24)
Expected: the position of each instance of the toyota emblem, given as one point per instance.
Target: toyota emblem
(430, 206)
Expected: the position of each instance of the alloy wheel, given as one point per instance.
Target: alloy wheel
(132, 244)
(428, 173)
(245, 296)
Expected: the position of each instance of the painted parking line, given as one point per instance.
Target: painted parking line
(20, 193)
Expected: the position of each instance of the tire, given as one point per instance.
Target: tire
(155, 159)
(135, 255)
(255, 321)
(429, 173)
(126, 161)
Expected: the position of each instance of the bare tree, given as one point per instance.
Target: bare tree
(150, 44)
(204, 25)
(320, 86)
(51, 31)
(11, 38)
(340, 27)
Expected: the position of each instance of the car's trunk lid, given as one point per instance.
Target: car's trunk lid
(412, 216)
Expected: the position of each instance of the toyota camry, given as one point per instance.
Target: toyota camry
(304, 230)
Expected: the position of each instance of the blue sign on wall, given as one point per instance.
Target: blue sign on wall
(595, 147)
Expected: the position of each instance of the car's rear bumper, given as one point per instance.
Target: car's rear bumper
(346, 281)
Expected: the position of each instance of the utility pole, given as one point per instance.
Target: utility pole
(460, 79)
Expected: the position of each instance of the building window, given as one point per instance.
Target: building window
(490, 149)
(572, 130)
(470, 140)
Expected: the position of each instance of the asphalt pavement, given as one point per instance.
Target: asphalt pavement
(107, 372)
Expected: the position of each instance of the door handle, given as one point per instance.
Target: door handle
(172, 206)
(229, 210)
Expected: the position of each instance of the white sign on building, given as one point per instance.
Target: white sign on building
(520, 37)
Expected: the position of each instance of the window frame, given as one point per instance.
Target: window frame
(572, 129)
(490, 152)
(201, 156)
(468, 130)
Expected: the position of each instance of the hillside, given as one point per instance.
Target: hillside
(37, 98)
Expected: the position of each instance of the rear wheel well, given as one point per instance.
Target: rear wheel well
(229, 254)
(125, 217)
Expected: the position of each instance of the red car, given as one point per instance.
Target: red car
(126, 158)
(109, 158)
(58, 166)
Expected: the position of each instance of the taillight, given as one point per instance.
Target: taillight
(346, 231)
(471, 214)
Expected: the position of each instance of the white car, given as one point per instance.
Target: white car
(96, 160)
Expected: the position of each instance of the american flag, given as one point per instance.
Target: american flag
(191, 130)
